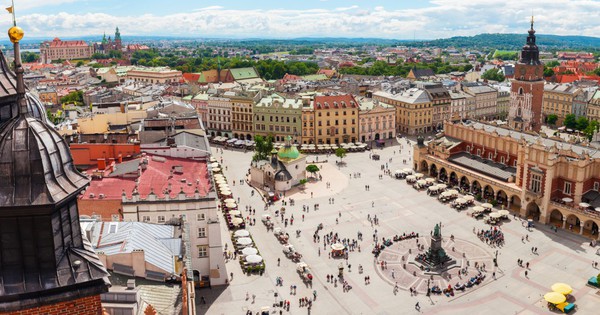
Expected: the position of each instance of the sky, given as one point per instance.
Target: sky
(394, 19)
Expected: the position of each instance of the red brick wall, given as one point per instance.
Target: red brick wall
(589, 184)
(90, 305)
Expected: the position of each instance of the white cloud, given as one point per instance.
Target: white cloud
(443, 18)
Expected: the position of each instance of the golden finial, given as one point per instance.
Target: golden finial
(15, 34)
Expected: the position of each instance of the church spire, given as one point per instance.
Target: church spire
(15, 34)
(530, 53)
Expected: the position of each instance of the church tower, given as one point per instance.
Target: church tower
(527, 90)
(46, 265)
(118, 45)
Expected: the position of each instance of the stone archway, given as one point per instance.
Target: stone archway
(249, 137)
(515, 203)
(533, 211)
(453, 179)
(502, 198)
(488, 192)
(590, 228)
(464, 183)
(235, 135)
(443, 175)
(475, 187)
(556, 218)
(424, 166)
(573, 223)
(433, 170)
(212, 134)
(377, 136)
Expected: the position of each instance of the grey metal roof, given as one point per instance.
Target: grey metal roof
(157, 240)
(125, 168)
(594, 153)
(488, 167)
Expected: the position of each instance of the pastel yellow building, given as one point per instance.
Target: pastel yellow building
(336, 119)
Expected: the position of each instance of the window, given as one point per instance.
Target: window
(161, 219)
(201, 232)
(596, 186)
(536, 183)
(200, 217)
(515, 163)
(202, 251)
(567, 189)
(479, 152)
(490, 156)
(502, 159)
(145, 218)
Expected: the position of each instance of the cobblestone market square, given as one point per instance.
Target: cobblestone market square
(348, 198)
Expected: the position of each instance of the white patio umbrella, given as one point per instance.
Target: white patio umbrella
(237, 221)
(216, 169)
(567, 200)
(410, 177)
(487, 205)
(221, 181)
(225, 192)
(223, 186)
(229, 200)
(337, 246)
(230, 204)
(469, 198)
(244, 241)
(235, 213)
(504, 212)
(430, 180)
(453, 192)
(249, 251)
(418, 175)
(408, 170)
(432, 188)
(254, 259)
(241, 233)
(442, 186)
(584, 204)
(478, 209)
(495, 215)
(214, 164)
(460, 201)
(212, 159)
(421, 182)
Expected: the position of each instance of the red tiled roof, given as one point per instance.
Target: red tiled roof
(566, 78)
(329, 101)
(56, 42)
(156, 178)
(191, 77)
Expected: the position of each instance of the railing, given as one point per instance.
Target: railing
(472, 174)
(591, 214)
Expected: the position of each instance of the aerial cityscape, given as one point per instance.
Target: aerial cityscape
(315, 157)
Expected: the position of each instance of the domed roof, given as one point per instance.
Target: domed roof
(288, 152)
(35, 164)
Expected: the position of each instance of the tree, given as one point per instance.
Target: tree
(551, 119)
(570, 121)
(552, 64)
(493, 75)
(79, 63)
(341, 153)
(30, 56)
(582, 123)
(592, 128)
(75, 97)
(264, 146)
(548, 72)
(313, 169)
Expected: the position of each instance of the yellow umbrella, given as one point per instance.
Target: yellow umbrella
(562, 288)
(554, 297)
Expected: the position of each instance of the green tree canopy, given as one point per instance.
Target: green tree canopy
(264, 146)
(493, 75)
(313, 169)
(75, 97)
(570, 121)
(552, 64)
(551, 119)
(592, 128)
(340, 152)
(582, 123)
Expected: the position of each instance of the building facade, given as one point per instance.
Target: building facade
(154, 75)
(219, 116)
(241, 117)
(336, 119)
(440, 101)
(376, 121)
(66, 50)
(558, 100)
(486, 100)
(278, 116)
(527, 89)
(413, 110)
(536, 178)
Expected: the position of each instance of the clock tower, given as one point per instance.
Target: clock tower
(527, 89)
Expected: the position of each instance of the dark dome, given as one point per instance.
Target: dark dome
(283, 176)
(36, 166)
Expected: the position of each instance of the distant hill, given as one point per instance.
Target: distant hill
(511, 42)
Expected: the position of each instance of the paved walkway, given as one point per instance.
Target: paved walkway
(563, 257)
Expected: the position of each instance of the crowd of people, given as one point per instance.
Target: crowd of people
(493, 236)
